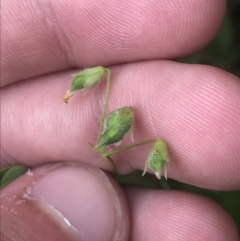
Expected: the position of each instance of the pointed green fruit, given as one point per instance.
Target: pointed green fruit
(157, 158)
(87, 79)
(118, 124)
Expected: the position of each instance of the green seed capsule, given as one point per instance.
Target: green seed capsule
(118, 124)
(157, 158)
(87, 79)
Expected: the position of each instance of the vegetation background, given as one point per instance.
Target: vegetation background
(222, 52)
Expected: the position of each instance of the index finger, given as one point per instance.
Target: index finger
(194, 108)
(40, 37)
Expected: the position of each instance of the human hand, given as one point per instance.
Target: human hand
(194, 108)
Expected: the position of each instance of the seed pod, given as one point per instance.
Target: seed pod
(118, 124)
(87, 79)
(157, 158)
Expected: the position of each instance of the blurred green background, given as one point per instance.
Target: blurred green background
(222, 52)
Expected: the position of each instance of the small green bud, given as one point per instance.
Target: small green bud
(117, 125)
(157, 158)
(87, 79)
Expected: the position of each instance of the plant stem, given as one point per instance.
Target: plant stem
(113, 164)
(107, 157)
(104, 105)
(124, 148)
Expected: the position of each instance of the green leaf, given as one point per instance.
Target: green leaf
(8, 174)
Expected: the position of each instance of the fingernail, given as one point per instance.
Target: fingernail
(85, 198)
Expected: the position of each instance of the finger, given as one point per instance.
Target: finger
(194, 108)
(173, 215)
(64, 202)
(40, 37)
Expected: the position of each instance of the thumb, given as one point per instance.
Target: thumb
(64, 201)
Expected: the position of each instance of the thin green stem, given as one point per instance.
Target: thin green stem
(101, 151)
(124, 148)
(113, 164)
(104, 105)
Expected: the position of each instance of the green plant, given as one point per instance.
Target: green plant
(115, 125)
(113, 128)
(8, 174)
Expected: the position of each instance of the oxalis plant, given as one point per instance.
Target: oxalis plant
(113, 127)
(116, 124)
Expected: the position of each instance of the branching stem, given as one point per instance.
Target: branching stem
(124, 148)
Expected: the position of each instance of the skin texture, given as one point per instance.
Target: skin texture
(194, 108)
